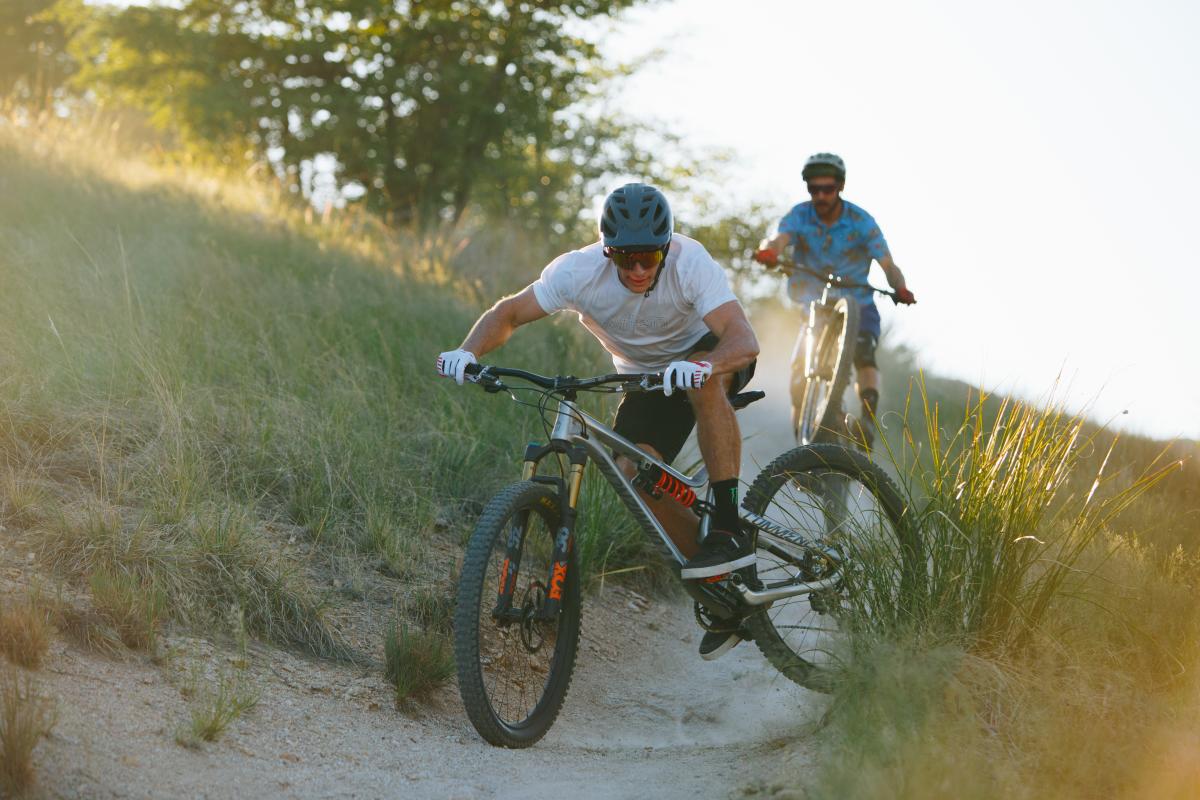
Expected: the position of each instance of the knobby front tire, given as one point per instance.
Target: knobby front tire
(514, 676)
(838, 497)
(821, 396)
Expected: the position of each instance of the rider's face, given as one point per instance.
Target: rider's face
(638, 267)
(638, 278)
(825, 193)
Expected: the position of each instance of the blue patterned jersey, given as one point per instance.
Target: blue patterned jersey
(844, 248)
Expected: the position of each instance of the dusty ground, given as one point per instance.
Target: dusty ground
(645, 717)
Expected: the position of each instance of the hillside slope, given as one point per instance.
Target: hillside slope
(227, 472)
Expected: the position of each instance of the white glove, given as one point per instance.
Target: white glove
(685, 375)
(453, 364)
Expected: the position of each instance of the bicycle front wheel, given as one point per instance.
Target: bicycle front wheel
(839, 499)
(820, 409)
(514, 660)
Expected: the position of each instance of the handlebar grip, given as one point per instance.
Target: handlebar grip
(473, 369)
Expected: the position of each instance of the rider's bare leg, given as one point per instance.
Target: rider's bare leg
(797, 382)
(720, 445)
(680, 523)
(717, 427)
(866, 378)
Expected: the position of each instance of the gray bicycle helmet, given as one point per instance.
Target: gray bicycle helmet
(636, 215)
(824, 165)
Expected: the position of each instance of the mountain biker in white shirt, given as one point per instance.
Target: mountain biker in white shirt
(657, 302)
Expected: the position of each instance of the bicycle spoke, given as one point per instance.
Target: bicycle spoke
(834, 508)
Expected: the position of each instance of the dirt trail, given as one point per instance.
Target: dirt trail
(645, 715)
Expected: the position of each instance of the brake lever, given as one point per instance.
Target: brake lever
(489, 382)
(646, 385)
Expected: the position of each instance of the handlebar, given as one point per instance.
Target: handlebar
(489, 377)
(787, 266)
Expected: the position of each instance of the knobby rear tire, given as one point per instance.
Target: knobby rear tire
(473, 623)
(819, 414)
(820, 460)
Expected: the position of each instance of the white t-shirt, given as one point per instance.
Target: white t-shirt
(643, 333)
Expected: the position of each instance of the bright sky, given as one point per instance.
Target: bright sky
(1033, 166)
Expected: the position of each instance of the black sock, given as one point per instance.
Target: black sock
(870, 402)
(725, 494)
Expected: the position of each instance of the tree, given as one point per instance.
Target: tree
(34, 62)
(430, 105)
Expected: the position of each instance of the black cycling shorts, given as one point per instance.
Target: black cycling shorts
(664, 422)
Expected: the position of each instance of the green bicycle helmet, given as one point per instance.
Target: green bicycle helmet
(636, 215)
(824, 165)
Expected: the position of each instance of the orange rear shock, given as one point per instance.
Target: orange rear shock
(656, 482)
(677, 489)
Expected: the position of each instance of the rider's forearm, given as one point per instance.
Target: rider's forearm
(895, 277)
(779, 242)
(736, 350)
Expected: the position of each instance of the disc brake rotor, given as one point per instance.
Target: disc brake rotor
(533, 634)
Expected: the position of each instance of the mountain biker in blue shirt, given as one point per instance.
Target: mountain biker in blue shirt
(830, 234)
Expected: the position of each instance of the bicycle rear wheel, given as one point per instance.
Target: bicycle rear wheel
(838, 498)
(514, 663)
(818, 418)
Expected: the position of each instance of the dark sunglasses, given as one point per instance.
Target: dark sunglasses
(822, 188)
(646, 259)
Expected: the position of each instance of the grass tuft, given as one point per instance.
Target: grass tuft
(25, 633)
(214, 706)
(25, 717)
(23, 501)
(416, 662)
(432, 607)
(133, 605)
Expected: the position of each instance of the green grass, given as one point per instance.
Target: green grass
(416, 661)
(190, 366)
(214, 705)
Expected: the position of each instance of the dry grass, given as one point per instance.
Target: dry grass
(416, 662)
(86, 627)
(432, 607)
(134, 606)
(25, 633)
(1052, 651)
(25, 717)
(23, 501)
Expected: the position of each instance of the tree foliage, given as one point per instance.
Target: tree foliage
(431, 106)
(34, 62)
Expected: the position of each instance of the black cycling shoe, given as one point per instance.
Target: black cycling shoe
(720, 553)
(715, 644)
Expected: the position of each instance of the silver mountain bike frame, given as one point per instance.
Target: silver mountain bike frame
(573, 426)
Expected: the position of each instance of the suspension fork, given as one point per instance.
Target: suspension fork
(564, 537)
